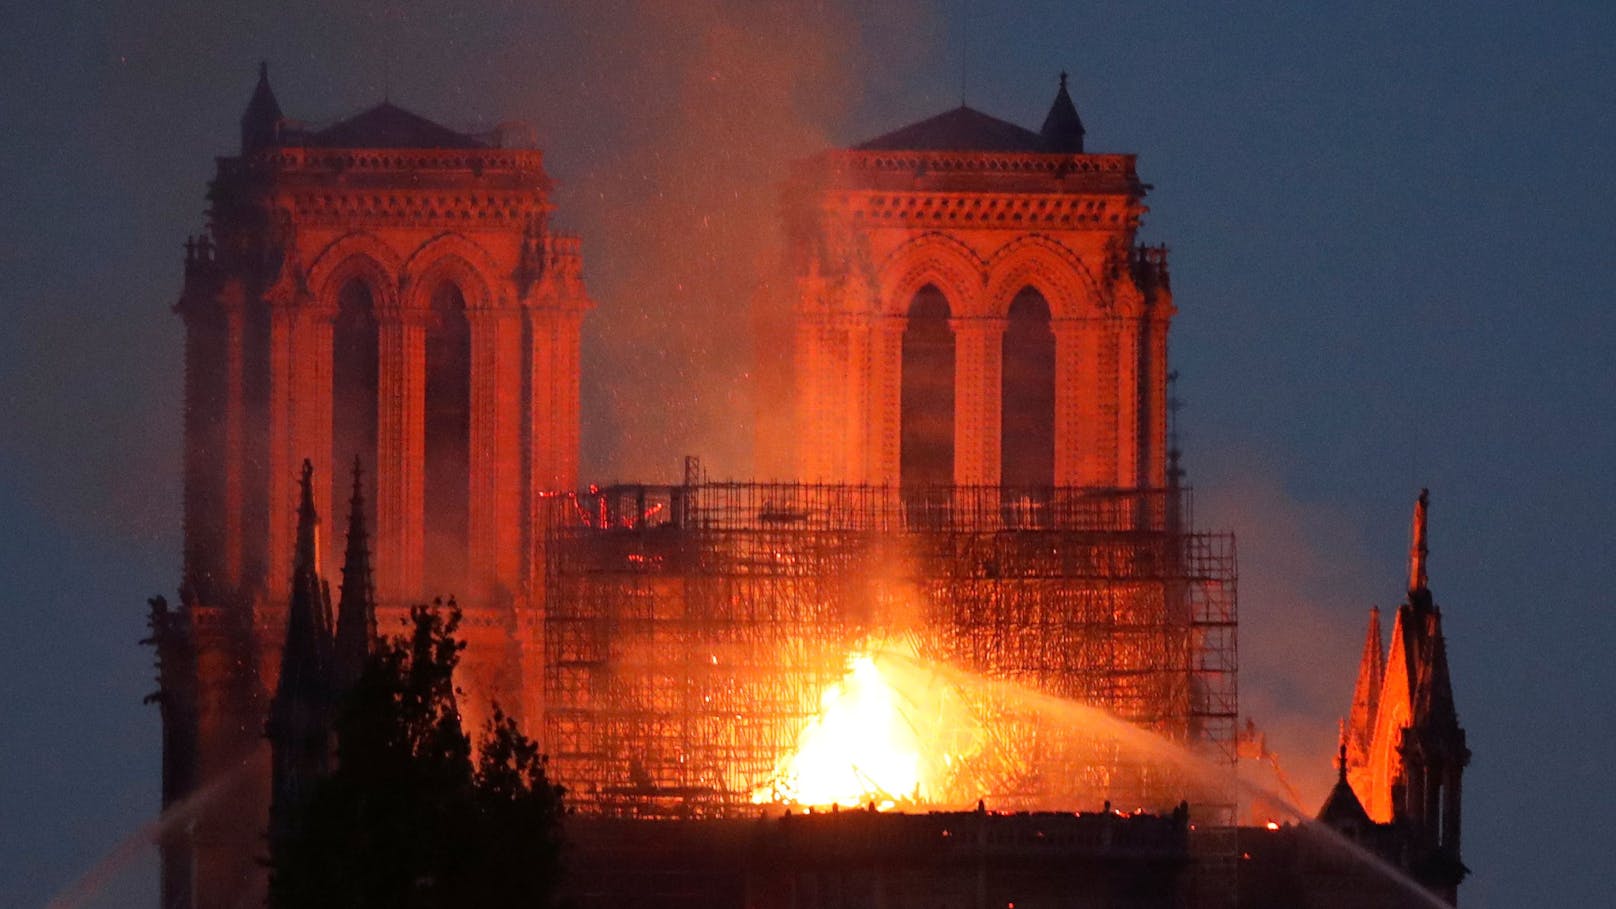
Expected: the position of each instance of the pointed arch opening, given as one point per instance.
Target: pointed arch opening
(447, 471)
(354, 372)
(926, 409)
(1027, 403)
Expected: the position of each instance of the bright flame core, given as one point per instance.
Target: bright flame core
(862, 747)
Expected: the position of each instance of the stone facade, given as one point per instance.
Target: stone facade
(1016, 253)
(387, 289)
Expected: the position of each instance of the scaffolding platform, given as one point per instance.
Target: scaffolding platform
(690, 631)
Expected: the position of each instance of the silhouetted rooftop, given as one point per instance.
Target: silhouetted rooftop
(1063, 128)
(1343, 810)
(389, 126)
(961, 129)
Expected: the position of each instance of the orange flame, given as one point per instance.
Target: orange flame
(859, 748)
(862, 747)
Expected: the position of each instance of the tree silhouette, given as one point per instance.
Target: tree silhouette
(408, 819)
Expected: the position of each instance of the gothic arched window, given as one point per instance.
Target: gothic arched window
(1027, 398)
(447, 494)
(926, 440)
(353, 394)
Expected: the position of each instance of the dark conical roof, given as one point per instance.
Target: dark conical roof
(961, 129)
(389, 126)
(1342, 809)
(1063, 129)
(261, 121)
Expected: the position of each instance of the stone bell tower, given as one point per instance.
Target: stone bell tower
(386, 289)
(971, 309)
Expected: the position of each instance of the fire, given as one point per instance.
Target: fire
(862, 747)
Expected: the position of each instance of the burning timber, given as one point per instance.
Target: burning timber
(692, 634)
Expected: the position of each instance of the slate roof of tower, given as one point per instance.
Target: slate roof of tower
(1063, 128)
(389, 126)
(262, 105)
(1342, 809)
(961, 129)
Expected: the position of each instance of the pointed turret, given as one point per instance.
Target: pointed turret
(356, 609)
(1342, 809)
(261, 122)
(308, 624)
(1063, 129)
(300, 715)
(1366, 694)
(1433, 692)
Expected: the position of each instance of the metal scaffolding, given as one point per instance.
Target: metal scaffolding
(690, 631)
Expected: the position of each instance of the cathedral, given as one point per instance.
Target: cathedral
(380, 313)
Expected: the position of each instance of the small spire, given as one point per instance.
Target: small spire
(1063, 129)
(1417, 550)
(299, 713)
(307, 555)
(1341, 751)
(261, 122)
(1366, 693)
(356, 609)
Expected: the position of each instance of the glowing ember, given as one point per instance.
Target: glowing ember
(861, 748)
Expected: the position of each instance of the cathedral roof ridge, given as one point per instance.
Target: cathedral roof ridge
(966, 129)
(386, 125)
(963, 128)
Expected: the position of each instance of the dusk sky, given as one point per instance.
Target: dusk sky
(1391, 229)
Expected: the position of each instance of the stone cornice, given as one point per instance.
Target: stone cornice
(384, 207)
(526, 165)
(976, 162)
(986, 210)
(948, 170)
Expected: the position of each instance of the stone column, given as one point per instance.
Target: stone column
(886, 399)
(494, 522)
(282, 482)
(815, 400)
(855, 415)
(552, 422)
(234, 305)
(1098, 407)
(1128, 425)
(1070, 440)
(566, 415)
(832, 410)
(978, 368)
(400, 453)
(1154, 352)
(553, 398)
(204, 375)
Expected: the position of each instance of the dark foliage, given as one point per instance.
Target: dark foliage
(408, 819)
